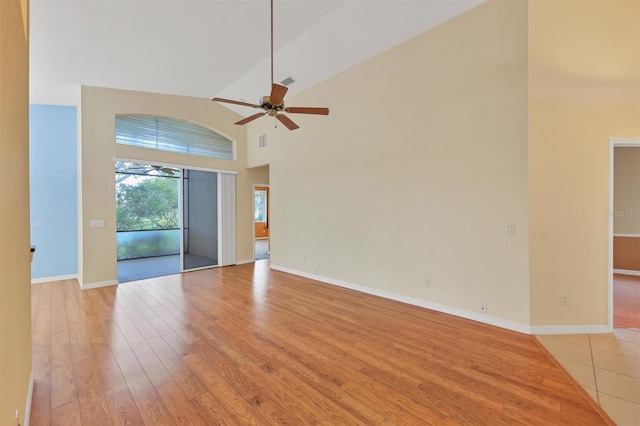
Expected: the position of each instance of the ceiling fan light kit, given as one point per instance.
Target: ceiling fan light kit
(273, 105)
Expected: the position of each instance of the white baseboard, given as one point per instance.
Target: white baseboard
(98, 284)
(627, 235)
(570, 329)
(56, 278)
(462, 313)
(627, 272)
(242, 262)
(27, 408)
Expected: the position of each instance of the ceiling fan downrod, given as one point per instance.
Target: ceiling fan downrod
(273, 105)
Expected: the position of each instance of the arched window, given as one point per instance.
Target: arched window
(173, 135)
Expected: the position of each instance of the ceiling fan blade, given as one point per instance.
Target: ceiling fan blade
(277, 94)
(250, 118)
(168, 171)
(287, 122)
(308, 110)
(231, 101)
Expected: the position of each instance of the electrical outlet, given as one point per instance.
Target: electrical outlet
(483, 308)
(427, 282)
(564, 300)
(315, 271)
(510, 229)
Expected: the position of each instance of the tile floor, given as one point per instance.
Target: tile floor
(607, 366)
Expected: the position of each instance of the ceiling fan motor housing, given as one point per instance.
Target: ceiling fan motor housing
(265, 103)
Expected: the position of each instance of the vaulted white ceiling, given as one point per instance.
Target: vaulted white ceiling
(207, 48)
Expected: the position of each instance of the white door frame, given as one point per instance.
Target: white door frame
(613, 143)
(253, 217)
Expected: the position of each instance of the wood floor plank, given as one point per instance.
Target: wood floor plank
(626, 301)
(144, 394)
(139, 321)
(59, 326)
(177, 343)
(93, 405)
(320, 406)
(179, 406)
(212, 410)
(123, 409)
(79, 342)
(184, 377)
(332, 389)
(109, 372)
(249, 381)
(113, 335)
(42, 322)
(35, 302)
(63, 383)
(247, 345)
(67, 414)
(392, 405)
(41, 361)
(41, 402)
(236, 408)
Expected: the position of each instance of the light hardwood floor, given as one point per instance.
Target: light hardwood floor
(247, 345)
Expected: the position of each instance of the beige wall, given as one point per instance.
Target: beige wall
(416, 171)
(583, 89)
(626, 198)
(15, 288)
(98, 149)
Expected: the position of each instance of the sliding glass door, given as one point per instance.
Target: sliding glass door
(200, 236)
(208, 219)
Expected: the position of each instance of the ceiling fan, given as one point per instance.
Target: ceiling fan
(145, 169)
(273, 105)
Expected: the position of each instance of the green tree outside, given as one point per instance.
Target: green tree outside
(151, 203)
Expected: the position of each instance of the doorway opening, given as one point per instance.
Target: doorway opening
(261, 221)
(172, 219)
(624, 233)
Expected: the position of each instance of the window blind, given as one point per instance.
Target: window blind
(173, 135)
